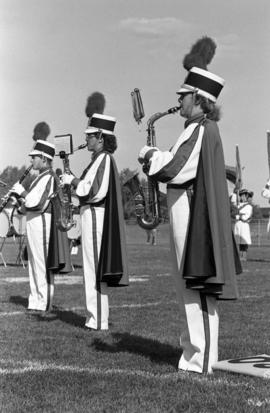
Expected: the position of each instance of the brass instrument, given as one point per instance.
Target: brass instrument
(63, 198)
(8, 196)
(147, 204)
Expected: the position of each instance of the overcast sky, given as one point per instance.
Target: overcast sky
(55, 53)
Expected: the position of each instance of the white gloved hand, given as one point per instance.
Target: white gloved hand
(143, 152)
(66, 179)
(17, 189)
(267, 185)
(266, 193)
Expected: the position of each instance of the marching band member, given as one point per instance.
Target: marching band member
(266, 194)
(242, 220)
(103, 238)
(39, 227)
(200, 225)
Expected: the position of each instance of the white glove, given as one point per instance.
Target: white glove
(266, 193)
(17, 189)
(143, 152)
(237, 217)
(66, 179)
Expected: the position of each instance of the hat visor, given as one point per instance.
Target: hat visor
(189, 89)
(91, 129)
(185, 89)
(35, 152)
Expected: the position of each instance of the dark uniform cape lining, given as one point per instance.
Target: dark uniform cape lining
(211, 259)
(113, 257)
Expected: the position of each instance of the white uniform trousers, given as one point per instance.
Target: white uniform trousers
(199, 316)
(96, 292)
(40, 278)
(242, 233)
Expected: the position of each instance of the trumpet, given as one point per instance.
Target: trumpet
(8, 195)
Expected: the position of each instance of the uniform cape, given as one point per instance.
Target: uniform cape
(112, 266)
(211, 259)
(59, 250)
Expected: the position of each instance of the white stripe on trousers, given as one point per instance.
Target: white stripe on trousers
(96, 293)
(40, 278)
(199, 316)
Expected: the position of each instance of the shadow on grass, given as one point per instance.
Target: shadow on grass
(19, 300)
(66, 316)
(154, 350)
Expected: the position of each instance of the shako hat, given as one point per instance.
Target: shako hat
(43, 148)
(199, 79)
(246, 191)
(101, 123)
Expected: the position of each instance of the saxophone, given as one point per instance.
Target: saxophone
(147, 203)
(62, 198)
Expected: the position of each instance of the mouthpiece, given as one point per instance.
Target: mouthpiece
(82, 146)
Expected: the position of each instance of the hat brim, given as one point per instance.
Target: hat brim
(183, 89)
(35, 152)
(91, 129)
(190, 89)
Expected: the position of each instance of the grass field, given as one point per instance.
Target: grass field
(51, 363)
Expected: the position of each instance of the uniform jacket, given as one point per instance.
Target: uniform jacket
(211, 259)
(100, 186)
(39, 200)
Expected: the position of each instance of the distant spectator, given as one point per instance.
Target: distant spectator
(242, 220)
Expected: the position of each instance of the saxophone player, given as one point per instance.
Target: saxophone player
(204, 256)
(103, 238)
(37, 207)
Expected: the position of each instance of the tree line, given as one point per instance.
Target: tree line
(12, 174)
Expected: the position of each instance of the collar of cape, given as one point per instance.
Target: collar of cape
(195, 119)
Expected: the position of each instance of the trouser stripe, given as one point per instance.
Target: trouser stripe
(48, 273)
(206, 332)
(95, 251)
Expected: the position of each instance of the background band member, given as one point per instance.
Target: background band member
(103, 238)
(242, 220)
(151, 236)
(198, 203)
(266, 194)
(38, 226)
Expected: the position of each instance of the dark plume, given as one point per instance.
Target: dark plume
(95, 104)
(201, 54)
(41, 131)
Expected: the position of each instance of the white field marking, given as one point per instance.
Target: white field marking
(257, 402)
(69, 279)
(132, 305)
(26, 366)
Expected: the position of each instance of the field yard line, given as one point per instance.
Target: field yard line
(131, 305)
(27, 366)
(12, 313)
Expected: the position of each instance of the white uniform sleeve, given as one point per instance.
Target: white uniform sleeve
(95, 184)
(37, 198)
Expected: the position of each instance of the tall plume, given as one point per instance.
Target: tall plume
(41, 131)
(201, 54)
(95, 104)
